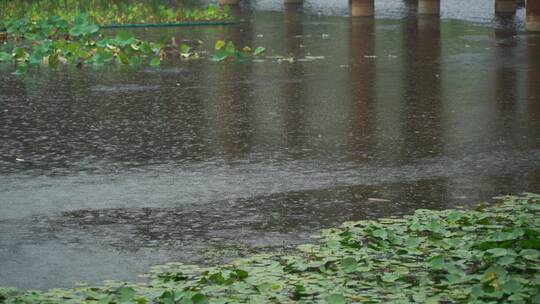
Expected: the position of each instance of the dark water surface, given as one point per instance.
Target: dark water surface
(104, 172)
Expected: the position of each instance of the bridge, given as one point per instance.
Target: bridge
(365, 8)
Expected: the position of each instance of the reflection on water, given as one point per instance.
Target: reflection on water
(424, 107)
(122, 167)
(294, 103)
(533, 89)
(362, 85)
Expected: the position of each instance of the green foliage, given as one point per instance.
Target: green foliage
(105, 12)
(155, 62)
(349, 264)
(82, 26)
(226, 49)
(219, 45)
(485, 256)
(5, 56)
(54, 41)
(35, 33)
(258, 51)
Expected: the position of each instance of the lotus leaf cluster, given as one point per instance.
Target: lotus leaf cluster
(54, 40)
(488, 255)
(227, 49)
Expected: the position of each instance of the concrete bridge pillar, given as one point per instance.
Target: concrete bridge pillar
(532, 22)
(429, 7)
(362, 8)
(505, 6)
(229, 2)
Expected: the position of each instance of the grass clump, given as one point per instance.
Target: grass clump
(106, 12)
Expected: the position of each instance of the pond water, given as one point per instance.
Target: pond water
(104, 172)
